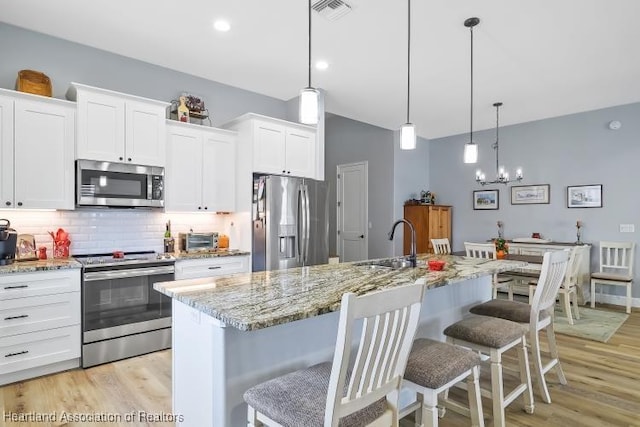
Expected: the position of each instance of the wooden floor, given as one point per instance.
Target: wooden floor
(603, 389)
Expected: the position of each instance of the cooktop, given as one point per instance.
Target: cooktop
(123, 258)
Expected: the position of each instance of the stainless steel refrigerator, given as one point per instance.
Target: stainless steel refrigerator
(290, 222)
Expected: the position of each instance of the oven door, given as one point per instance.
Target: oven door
(115, 184)
(117, 303)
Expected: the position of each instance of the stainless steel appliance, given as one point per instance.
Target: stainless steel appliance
(122, 315)
(8, 241)
(290, 222)
(194, 242)
(119, 185)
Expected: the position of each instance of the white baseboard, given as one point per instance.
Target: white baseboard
(616, 300)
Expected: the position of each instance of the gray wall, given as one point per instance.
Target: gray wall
(569, 150)
(65, 62)
(349, 141)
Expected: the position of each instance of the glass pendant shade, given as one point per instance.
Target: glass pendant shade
(470, 152)
(309, 106)
(407, 136)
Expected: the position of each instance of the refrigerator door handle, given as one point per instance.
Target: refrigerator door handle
(299, 226)
(303, 222)
(307, 224)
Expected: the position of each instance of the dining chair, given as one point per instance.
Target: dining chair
(616, 268)
(362, 393)
(488, 250)
(441, 246)
(537, 316)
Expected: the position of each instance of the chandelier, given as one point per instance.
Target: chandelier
(502, 176)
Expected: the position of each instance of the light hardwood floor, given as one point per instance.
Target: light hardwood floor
(603, 388)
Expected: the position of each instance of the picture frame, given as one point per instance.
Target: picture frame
(584, 196)
(530, 194)
(26, 247)
(486, 200)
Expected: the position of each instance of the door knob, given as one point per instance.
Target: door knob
(7, 203)
(362, 236)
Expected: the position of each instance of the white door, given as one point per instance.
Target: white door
(145, 134)
(6, 152)
(184, 170)
(218, 172)
(300, 159)
(353, 214)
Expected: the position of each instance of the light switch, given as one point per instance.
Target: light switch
(370, 225)
(627, 228)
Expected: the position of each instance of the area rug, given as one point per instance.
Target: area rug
(596, 325)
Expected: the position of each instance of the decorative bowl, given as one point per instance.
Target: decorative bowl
(435, 265)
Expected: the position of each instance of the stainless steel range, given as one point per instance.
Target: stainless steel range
(122, 315)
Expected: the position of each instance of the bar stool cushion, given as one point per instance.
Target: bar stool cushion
(300, 399)
(488, 331)
(433, 364)
(515, 311)
(611, 276)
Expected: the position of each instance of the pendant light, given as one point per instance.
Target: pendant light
(408, 130)
(309, 95)
(502, 176)
(471, 148)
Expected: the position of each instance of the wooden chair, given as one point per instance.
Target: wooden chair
(538, 315)
(365, 393)
(488, 250)
(441, 246)
(616, 268)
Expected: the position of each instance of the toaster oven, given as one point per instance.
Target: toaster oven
(194, 242)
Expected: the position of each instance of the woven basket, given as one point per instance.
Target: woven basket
(33, 82)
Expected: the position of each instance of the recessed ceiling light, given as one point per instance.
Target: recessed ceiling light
(322, 65)
(222, 25)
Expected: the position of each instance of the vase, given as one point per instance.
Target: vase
(500, 254)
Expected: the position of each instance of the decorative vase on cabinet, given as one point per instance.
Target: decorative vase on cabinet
(430, 222)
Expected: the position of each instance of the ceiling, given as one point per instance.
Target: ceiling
(540, 58)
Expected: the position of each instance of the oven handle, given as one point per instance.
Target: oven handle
(121, 274)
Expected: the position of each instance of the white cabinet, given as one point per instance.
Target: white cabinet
(211, 267)
(118, 127)
(40, 329)
(37, 137)
(200, 173)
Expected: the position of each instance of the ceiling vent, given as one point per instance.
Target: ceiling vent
(331, 9)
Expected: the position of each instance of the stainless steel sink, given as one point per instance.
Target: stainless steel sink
(393, 263)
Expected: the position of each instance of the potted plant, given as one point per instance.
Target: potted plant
(502, 247)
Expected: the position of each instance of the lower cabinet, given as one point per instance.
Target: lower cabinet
(211, 267)
(40, 323)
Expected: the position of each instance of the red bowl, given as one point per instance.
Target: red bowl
(436, 265)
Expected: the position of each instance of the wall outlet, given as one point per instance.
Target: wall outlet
(627, 228)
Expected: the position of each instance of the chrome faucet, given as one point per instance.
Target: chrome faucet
(412, 255)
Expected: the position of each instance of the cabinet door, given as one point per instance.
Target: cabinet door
(6, 152)
(218, 172)
(44, 140)
(419, 217)
(268, 148)
(439, 223)
(184, 170)
(100, 127)
(300, 153)
(145, 134)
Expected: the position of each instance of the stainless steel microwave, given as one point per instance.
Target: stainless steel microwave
(119, 185)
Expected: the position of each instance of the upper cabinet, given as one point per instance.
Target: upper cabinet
(118, 127)
(200, 172)
(37, 137)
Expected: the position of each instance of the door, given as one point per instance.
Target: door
(145, 134)
(100, 127)
(282, 226)
(44, 142)
(184, 170)
(6, 152)
(352, 206)
(218, 172)
(268, 148)
(317, 245)
(300, 159)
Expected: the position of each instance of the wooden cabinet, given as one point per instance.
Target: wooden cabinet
(117, 127)
(430, 222)
(37, 137)
(200, 172)
(211, 267)
(40, 327)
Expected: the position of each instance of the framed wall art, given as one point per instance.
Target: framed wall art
(486, 199)
(584, 196)
(530, 194)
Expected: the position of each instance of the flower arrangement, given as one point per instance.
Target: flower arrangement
(578, 234)
(428, 197)
(502, 247)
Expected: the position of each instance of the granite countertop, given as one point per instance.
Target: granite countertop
(212, 254)
(39, 265)
(250, 301)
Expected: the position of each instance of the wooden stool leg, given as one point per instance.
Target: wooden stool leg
(576, 309)
(430, 410)
(593, 294)
(252, 418)
(537, 363)
(553, 350)
(497, 389)
(418, 413)
(475, 400)
(567, 307)
(629, 298)
(525, 376)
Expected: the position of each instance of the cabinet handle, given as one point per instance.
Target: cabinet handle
(17, 354)
(199, 207)
(121, 158)
(19, 203)
(216, 267)
(8, 203)
(206, 208)
(16, 287)
(129, 159)
(23, 316)
(284, 171)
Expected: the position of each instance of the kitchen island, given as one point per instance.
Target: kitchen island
(232, 332)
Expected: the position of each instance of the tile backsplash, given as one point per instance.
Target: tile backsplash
(106, 230)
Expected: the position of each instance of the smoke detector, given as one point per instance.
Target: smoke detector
(331, 9)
